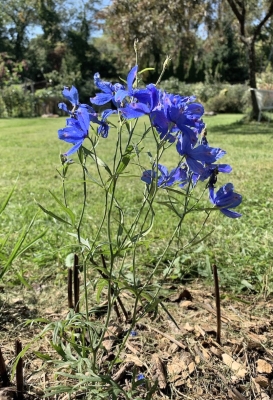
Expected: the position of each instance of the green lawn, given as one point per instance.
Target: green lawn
(240, 248)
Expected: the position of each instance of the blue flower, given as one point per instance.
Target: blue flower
(122, 93)
(226, 198)
(76, 130)
(109, 90)
(148, 176)
(177, 175)
(197, 156)
(211, 171)
(71, 95)
(140, 377)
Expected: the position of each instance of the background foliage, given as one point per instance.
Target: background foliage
(46, 44)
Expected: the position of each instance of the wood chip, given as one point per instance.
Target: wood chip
(133, 358)
(263, 381)
(236, 367)
(264, 367)
(160, 371)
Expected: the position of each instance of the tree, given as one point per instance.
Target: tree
(252, 16)
(18, 15)
(162, 28)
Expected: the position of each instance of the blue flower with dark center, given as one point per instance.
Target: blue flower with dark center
(225, 198)
(213, 170)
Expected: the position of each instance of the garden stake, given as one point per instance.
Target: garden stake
(112, 291)
(3, 371)
(76, 283)
(218, 306)
(19, 371)
(69, 288)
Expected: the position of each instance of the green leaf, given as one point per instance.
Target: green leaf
(53, 215)
(101, 284)
(123, 164)
(42, 356)
(19, 249)
(7, 199)
(83, 241)
(97, 160)
(144, 70)
(64, 208)
(169, 205)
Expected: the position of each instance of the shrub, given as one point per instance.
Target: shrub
(231, 99)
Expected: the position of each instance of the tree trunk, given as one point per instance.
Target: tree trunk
(252, 77)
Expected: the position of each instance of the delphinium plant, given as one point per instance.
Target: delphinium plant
(175, 132)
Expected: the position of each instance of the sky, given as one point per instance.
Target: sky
(36, 30)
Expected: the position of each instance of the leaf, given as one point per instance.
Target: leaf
(7, 199)
(42, 356)
(97, 160)
(101, 284)
(145, 69)
(83, 241)
(123, 164)
(170, 206)
(18, 250)
(64, 208)
(125, 159)
(53, 215)
(69, 260)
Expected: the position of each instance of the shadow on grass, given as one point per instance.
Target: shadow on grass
(244, 127)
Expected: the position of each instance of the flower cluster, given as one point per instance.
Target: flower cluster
(176, 119)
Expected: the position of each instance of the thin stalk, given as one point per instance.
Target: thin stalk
(69, 288)
(218, 304)
(76, 284)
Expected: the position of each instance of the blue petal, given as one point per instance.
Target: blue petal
(101, 99)
(230, 214)
(105, 87)
(72, 95)
(106, 113)
(206, 154)
(131, 77)
(148, 176)
(121, 94)
(195, 166)
(195, 109)
(159, 121)
(211, 194)
(73, 149)
(103, 130)
(71, 134)
(134, 110)
(63, 106)
(83, 118)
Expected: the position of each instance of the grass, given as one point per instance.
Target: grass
(240, 248)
